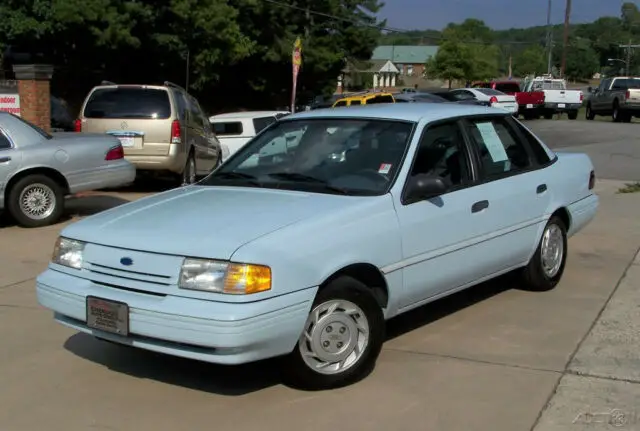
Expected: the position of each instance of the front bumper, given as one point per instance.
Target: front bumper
(223, 333)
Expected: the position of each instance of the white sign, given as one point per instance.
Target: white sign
(10, 102)
(492, 142)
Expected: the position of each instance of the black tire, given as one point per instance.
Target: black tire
(573, 115)
(548, 115)
(186, 178)
(615, 115)
(528, 116)
(589, 113)
(39, 187)
(625, 117)
(300, 375)
(534, 275)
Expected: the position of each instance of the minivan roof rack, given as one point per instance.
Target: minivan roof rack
(171, 84)
(107, 83)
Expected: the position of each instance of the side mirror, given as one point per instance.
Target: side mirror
(422, 187)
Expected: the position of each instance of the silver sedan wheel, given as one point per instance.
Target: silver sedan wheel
(552, 250)
(37, 201)
(335, 336)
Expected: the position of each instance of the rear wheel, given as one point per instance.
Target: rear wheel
(573, 115)
(546, 267)
(189, 173)
(341, 339)
(615, 115)
(548, 115)
(589, 114)
(35, 201)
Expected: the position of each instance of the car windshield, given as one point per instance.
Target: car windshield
(358, 157)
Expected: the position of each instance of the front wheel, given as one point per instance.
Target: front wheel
(546, 267)
(341, 338)
(35, 201)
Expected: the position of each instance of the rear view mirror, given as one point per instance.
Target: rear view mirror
(423, 187)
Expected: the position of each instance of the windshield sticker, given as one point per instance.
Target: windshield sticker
(492, 142)
(384, 168)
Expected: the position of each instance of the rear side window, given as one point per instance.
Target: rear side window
(128, 102)
(228, 128)
(381, 99)
(5, 144)
(508, 88)
(356, 102)
(499, 148)
(262, 123)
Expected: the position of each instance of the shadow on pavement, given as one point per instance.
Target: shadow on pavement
(92, 204)
(201, 376)
(244, 379)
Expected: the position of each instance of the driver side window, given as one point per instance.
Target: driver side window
(441, 153)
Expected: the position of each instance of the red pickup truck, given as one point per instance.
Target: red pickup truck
(530, 103)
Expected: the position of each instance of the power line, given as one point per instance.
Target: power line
(308, 11)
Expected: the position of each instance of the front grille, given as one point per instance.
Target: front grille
(123, 274)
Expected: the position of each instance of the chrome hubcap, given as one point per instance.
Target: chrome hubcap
(335, 336)
(552, 250)
(37, 201)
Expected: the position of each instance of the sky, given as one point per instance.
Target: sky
(498, 14)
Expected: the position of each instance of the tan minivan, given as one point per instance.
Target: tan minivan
(161, 127)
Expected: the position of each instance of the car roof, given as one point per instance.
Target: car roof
(246, 114)
(414, 112)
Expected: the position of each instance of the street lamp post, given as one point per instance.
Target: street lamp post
(549, 38)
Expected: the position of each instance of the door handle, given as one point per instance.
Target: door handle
(5, 159)
(479, 206)
(541, 188)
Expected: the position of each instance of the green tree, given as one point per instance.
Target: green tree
(451, 63)
(532, 61)
(582, 60)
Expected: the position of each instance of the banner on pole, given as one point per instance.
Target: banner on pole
(296, 60)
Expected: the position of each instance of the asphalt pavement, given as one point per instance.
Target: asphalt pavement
(494, 357)
(614, 148)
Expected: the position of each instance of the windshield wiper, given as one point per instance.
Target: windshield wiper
(295, 176)
(233, 175)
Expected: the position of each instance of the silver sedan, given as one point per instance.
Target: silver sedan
(38, 169)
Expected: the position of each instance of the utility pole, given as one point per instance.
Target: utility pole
(628, 62)
(549, 39)
(565, 42)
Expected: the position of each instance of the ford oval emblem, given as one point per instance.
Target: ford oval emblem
(126, 261)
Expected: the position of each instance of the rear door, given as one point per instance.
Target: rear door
(206, 144)
(9, 161)
(513, 188)
(139, 116)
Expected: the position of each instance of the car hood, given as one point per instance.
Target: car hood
(203, 221)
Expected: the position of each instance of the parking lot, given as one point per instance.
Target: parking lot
(492, 358)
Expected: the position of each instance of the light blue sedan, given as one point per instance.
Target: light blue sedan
(325, 225)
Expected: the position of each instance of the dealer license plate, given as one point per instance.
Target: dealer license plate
(529, 105)
(126, 141)
(561, 105)
(108, 316)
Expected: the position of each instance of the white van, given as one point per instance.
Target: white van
(235, 129)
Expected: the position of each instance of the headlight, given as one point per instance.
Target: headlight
(224, 277)
(68, 252)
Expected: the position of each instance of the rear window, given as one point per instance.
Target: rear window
(508, 88)
(626, 84)
(123, 102)
(490, 91)
(261, 123)
(356, 102)
(549, 85)
(381, 99)
(227, 128)
(482, 85)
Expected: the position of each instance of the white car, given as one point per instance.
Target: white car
(494, 98)
(235, 129)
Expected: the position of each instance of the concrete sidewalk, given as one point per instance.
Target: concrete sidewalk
(600, 388)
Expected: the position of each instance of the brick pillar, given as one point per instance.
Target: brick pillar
(35, 93)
